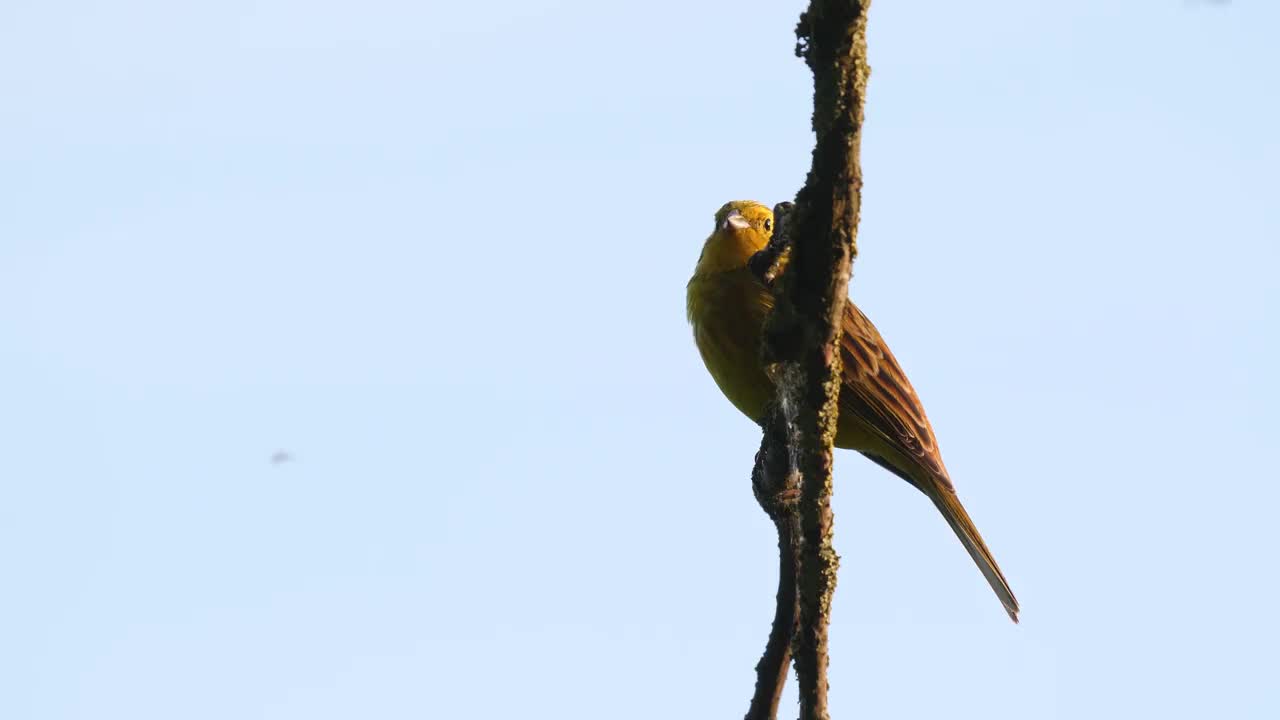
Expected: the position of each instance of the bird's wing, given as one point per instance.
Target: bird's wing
(876, 391)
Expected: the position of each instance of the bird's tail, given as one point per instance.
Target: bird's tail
(951, 509)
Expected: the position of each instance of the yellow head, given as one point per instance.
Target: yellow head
(743, 227)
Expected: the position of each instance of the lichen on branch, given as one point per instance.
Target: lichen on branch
(819, 238)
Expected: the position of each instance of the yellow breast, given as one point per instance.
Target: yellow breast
(727, 311)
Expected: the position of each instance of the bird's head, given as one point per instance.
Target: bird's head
(745, 216)
(743, 228)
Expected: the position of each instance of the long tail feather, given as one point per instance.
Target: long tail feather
(951, 509)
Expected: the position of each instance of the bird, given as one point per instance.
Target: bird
(280, 457)
(879, 415)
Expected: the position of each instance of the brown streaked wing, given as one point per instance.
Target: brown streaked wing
(877, 392)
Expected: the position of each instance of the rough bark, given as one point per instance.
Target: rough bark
(777, 489)
(802, 337)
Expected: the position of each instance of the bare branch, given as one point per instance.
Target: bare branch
(803, 332)
(778, 490)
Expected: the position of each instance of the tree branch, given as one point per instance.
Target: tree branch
(777, 489)
(801, 345)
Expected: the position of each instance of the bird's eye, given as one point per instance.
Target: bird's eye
(768, 226)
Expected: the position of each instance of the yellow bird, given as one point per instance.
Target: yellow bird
(880, 415)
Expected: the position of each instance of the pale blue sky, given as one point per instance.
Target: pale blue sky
(439, 255)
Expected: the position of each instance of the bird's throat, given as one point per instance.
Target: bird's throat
(729, 250)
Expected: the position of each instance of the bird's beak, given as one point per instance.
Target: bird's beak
(735, 221)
